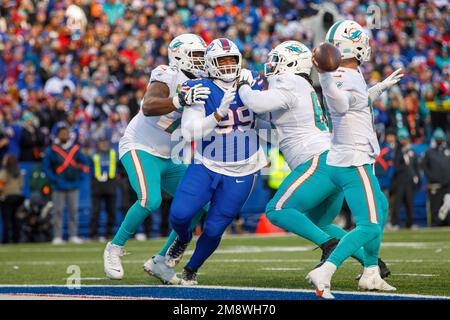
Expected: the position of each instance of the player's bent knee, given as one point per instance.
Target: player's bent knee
(178, 217)
(151, 204)
(371, 230)
(214, 233)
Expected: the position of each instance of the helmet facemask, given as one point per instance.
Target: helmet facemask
(272, 65)
(193, 63)
(225, 72)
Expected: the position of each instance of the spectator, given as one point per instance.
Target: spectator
(436, 166)
(64, 164)
(114, 10)
(384, 167)
(11, 182)
(405, 180)
(103, 187)
(32, 139)
(55, 84)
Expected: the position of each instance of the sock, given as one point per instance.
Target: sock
(205, 247)
(330, 268)
(352, 241)
(168, 243)
(338, 233)
(133, 219)
(173, 234)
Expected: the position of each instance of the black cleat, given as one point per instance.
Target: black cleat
(384, 270)
(175, 252)
(189, 277)
(327, 248)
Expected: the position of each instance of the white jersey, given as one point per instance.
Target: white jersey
(153, 134)
(296, 113)
(353, 141)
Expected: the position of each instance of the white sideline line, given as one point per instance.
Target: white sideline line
(227, 249)
(281, 269)
(16, 264)
(233, 288)
(415, 274)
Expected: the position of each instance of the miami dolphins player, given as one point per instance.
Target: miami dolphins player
(354, 147)
(145, 148)
(306, 203)
(227, 159)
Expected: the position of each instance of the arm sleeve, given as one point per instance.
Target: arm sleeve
(375, 91)
(264, 101)
(194, 124)
(338, 100)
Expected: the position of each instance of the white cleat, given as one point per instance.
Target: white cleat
(321, 282)
(371, 280)
(156, 267)
(111, 261)
(58, 241)
(76, 240)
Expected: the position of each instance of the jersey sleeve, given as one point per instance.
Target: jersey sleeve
(336, 95)
(164, 74)
(260, 83)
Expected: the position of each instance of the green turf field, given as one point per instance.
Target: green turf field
(419, 261)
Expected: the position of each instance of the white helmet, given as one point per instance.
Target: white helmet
(222, 47)
(351, 40)
(186, 52)
(289, 57)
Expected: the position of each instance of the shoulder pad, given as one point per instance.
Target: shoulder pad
(163, 73)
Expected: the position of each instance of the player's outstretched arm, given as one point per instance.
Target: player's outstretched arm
(194, 124)
(261, 101)
(156, 101)
(264, 101)
(377, 90)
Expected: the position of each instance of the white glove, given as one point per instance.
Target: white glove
(193, 95)
(392, 79)
(227, 99)
(246, 78)
(378, 89)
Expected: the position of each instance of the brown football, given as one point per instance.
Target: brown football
(327, 57)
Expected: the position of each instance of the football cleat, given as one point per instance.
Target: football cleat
(111, 261)
(156, 267)
(327, 248)
(175, 252)
(189, 277)
(384, 270)
(371, 280)
(320, 279)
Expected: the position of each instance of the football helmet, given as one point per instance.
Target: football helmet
(289, 57)
(351, 40)
(186, 52)
(217, 49)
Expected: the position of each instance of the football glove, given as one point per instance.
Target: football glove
(246, 77)
(392, 79)
(227, 99)
(189, 96)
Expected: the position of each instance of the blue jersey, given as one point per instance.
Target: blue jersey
(234, 139)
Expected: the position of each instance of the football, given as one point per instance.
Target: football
(327, 57)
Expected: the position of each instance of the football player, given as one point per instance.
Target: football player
(227, 159)
(354, 147)
(306, 203)
(145, 148)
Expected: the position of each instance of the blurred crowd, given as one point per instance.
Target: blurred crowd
(94, 85)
